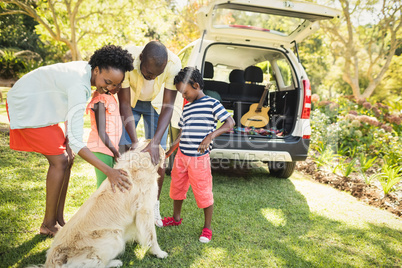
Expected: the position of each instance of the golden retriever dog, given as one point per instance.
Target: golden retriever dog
(99, 230)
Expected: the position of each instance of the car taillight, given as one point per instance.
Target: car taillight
(307, 100)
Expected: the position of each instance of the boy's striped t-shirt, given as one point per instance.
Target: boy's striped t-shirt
(198, 119)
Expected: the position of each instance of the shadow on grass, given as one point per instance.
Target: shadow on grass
(14, 257)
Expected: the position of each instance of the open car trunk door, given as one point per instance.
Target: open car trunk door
(260, 21)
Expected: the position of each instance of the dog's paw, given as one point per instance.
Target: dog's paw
(161, 254)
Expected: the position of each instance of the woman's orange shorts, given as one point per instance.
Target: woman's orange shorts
(48, 140)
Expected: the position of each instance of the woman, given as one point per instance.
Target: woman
(57, 93)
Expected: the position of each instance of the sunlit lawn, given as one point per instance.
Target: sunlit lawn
(258, 221)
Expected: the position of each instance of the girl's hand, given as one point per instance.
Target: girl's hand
(205, 144)
(116, 155)
(118, 178)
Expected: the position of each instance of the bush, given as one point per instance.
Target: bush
(389, 178)
(15, 64)
(352, 128)
(10, 65)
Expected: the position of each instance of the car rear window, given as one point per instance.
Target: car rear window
(255, 21)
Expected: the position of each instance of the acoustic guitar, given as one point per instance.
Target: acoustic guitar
(257, 116)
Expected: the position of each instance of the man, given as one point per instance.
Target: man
(154, 69)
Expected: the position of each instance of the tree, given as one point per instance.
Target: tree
(185, 29)
(366, 48)
(18, 31)
(315, 57)
(88, 24)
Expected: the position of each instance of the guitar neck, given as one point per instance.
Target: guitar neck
(264, 95)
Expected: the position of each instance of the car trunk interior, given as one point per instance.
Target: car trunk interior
(238, 75)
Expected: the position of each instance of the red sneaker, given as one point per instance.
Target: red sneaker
(206, 235)
(169, 221)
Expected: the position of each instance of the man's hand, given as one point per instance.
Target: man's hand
(118, 177)
(153, 150)
(134, 145)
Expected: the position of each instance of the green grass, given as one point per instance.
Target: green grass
(3, 112)
(258, 221)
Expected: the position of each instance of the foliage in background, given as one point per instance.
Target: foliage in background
(389, 178)
(391, 85)
(316, 59)
(185, 28)
(17, 63)
(84, 26)
(362, 134)
(95, 24)
(18, 31)
(10, 65)
(323, 53)
(366, 46)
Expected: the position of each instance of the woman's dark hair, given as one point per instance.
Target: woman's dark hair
(112, 56)
(189, 75)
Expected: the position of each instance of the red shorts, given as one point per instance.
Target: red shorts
(194, 171)
(48, 140)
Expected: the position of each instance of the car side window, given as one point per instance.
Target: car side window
(268, 72)
(285, 72)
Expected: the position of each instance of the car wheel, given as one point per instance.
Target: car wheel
(281, 169)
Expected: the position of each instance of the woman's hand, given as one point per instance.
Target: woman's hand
(118, 178)
(70, 153)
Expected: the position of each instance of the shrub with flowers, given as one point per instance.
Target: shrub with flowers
(355, 136)
(374, 130)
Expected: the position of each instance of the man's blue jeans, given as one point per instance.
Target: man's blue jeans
(150, 117)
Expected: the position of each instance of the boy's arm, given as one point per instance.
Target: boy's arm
(227, 125)
(174, 145)
(100, 118)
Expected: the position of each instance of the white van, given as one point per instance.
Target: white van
(248, 55)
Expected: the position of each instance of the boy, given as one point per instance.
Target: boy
(192, 163)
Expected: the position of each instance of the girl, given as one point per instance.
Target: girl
(57, 93)
(106, 130)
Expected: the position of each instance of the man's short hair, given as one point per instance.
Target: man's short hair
(156, 52)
